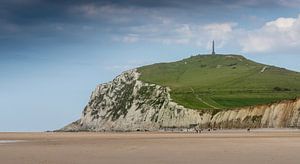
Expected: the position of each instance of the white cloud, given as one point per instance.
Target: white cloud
(256, 43)
(167, 31)
(281, 34)
(221, 32)
(201, 35)
(281, 24)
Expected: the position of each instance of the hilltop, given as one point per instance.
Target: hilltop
(222, 81)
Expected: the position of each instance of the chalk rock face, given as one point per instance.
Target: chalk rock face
(128, 104)
(277, 115)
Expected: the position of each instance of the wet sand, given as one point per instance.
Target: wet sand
(263, 147)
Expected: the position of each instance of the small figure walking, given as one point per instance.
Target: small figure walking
(248, 130)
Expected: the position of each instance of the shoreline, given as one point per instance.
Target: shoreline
(185, 130)
(170, 131)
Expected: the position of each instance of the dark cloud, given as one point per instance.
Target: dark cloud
(44, 18)
(29, 11)
(39, 11)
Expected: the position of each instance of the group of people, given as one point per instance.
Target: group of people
(198, 130)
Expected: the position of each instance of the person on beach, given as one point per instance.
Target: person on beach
(198, 130)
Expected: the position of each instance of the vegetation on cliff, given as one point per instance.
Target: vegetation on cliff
(222, 81)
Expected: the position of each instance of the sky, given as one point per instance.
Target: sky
(53, 53)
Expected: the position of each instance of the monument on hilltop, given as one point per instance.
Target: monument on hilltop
(213, 48)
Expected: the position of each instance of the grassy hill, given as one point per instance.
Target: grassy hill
(223, 81)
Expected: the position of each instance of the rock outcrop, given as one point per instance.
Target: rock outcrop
(128, 104)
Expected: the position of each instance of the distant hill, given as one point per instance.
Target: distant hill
(222, 81)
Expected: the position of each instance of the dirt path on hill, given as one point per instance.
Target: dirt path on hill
(204, 102)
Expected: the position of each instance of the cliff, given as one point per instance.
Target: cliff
(128, 104)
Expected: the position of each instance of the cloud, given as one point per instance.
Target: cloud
(221, 32)
(281, 34)
(95, 11)
(289, 3)
(169, 31)
(129, 38)
(191, 22)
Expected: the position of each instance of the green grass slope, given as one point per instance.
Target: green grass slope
(222, 81)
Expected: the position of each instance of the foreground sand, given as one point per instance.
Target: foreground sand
(263, 147)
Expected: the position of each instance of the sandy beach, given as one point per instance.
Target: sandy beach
(264, 147)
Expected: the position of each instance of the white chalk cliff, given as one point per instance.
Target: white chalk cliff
(128, 104)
